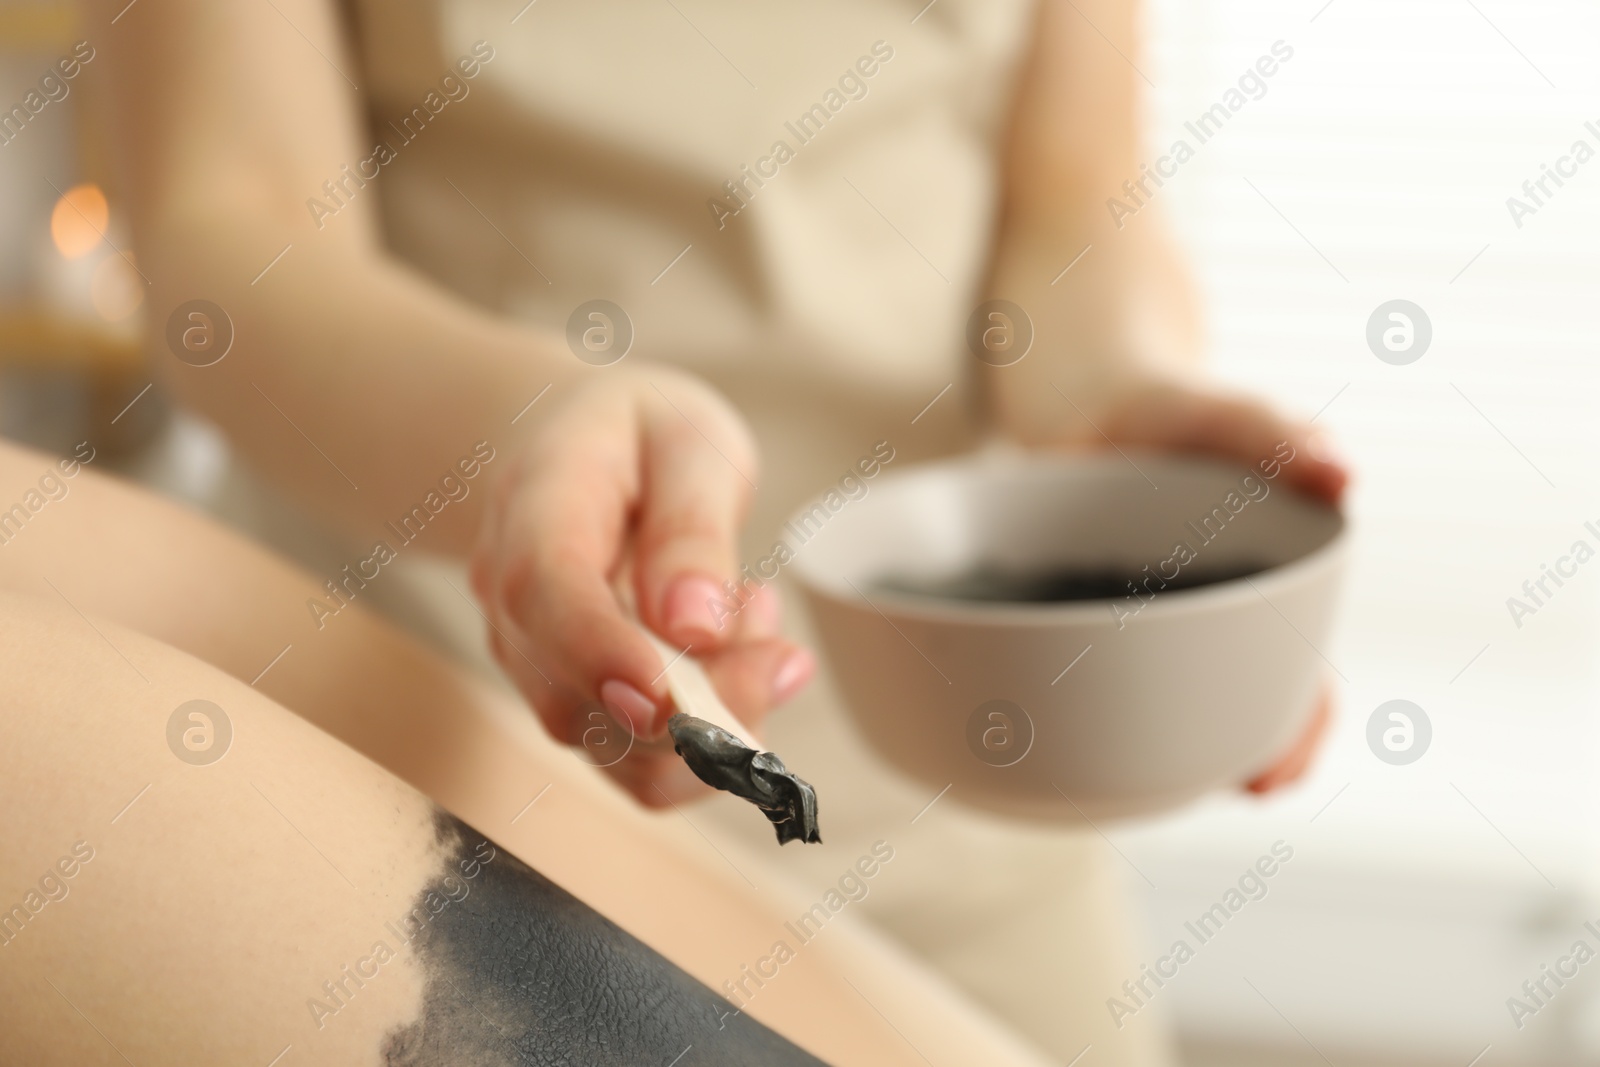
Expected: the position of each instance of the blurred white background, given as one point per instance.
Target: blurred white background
(1377, 167)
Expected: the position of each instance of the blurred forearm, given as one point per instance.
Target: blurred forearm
(1110, 305)
(1074, 131)
(352, 382)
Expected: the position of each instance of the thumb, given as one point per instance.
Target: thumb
(1181, 418)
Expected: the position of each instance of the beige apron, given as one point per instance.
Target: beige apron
(630, 151)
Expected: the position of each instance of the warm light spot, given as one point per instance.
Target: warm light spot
(79, 220)
(116, 288)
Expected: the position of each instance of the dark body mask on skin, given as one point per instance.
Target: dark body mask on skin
(520, 973)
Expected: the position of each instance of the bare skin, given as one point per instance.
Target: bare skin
(225, 118)
(205, 920)
(202, 920)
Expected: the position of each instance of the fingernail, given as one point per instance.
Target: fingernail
(693, 609)
(638, 709)
(792, 677)
(1322, 447)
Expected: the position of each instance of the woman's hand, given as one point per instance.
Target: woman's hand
(1169, 414)
(1114, 363)
(1292, 765)
(632, 489)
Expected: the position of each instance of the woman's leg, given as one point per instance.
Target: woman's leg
(193, 875)
(108, 550)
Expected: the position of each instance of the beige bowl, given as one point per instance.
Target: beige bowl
(1085, 709)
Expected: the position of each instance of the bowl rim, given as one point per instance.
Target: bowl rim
(1216, 596)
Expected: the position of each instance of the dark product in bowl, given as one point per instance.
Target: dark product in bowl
(1057, 585)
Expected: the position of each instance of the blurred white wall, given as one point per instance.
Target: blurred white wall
(1377, 166)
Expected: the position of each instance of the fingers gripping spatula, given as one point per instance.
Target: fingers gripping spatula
(721, 752)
